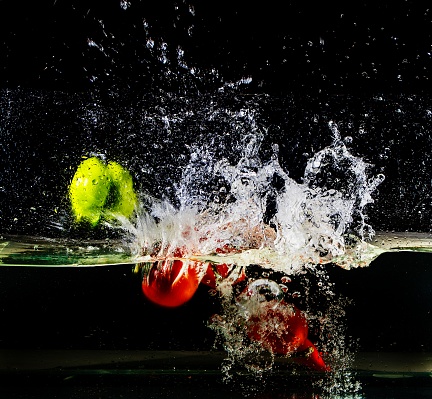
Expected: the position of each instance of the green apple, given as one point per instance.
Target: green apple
(89, 190)
(99, 190)
(124, 199)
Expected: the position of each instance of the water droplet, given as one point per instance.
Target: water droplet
(125, 4)
(348, 140)
(286, 279)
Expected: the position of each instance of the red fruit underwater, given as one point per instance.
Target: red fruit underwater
(282, 329)
(172, 283)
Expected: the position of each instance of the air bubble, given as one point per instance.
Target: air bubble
(286, 279)
(264, 290)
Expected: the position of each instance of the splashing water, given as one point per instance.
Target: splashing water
(234, 213)
(232, 199)
(236, 208)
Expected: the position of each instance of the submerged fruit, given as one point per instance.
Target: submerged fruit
(172, 283)
(101, 190)
(311, 357)
(282, 329)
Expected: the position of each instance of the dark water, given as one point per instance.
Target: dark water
(87, 326)
(103, 308)
(188, 387)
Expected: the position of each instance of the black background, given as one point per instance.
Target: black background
(334, 46)
(364, 65)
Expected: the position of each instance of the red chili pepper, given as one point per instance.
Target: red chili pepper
(282, 329)
(312, 357)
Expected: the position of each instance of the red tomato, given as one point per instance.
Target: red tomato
(171, 283)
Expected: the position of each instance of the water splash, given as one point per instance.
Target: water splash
(242, 209)
(227, 207)
(230, 195)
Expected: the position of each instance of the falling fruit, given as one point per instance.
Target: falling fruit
(171, 283)
(99, 190)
